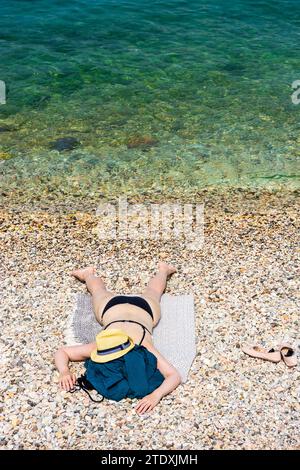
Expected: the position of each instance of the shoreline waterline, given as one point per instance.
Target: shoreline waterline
(150, 96)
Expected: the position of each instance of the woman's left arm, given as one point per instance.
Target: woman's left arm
(172, 380)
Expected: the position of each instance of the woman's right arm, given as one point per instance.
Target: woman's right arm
(70, 353)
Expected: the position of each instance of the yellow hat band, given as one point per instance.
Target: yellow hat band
(118, 348)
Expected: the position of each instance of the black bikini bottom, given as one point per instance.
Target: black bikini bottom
(127, 299)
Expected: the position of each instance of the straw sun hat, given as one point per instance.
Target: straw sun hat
(111, 344)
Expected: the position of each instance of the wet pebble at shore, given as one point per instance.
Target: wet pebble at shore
(246, 285)
(65, 143)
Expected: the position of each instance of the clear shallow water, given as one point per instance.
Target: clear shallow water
(168, 96)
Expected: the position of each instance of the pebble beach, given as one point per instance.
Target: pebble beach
(245, 281)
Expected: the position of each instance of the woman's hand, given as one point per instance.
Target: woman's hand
(67, 380)
(147, 403)
(70, 353)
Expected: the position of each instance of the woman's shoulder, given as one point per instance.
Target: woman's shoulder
(148, 345)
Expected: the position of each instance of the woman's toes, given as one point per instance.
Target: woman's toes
(81, 274)
(162, 266)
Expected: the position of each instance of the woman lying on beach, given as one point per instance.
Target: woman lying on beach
(133, 316)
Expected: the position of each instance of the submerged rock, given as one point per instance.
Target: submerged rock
(5, 128)
(142, 142)
(4, 156)
(65, 143)
(234, 68)
(40, 101)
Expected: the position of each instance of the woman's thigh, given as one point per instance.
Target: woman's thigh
(99, 301)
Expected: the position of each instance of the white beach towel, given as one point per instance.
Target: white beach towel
(174, 336)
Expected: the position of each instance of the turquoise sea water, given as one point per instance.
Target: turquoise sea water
(162, 96)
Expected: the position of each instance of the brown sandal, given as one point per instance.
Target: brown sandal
(261, 353)
(288, 355)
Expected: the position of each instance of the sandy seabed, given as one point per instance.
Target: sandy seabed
(245, 280)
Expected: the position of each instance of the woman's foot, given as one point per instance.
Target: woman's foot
(166, 268)
(82, 274)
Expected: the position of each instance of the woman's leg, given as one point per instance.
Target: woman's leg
(156, 287)
(157, 284)
(96, 287)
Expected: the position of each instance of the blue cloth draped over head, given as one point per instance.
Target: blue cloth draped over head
(133, 375)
